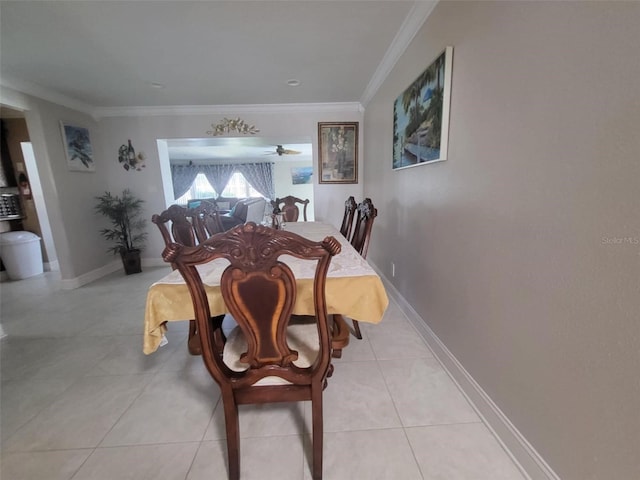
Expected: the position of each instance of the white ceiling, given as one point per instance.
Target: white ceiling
(108, 54)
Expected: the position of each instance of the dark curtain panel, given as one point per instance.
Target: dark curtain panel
(259, 175)
(218, 176)
(182, 176)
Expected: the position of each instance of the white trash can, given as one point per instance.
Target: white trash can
(21, 254)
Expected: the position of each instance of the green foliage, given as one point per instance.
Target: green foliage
(433, 115)
(127, 225)
(415, 122)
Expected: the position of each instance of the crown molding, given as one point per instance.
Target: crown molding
(10, 97)
(28, 88)
(410, 27)
(169, 110)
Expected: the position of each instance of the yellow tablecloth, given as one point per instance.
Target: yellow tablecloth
(353, 288)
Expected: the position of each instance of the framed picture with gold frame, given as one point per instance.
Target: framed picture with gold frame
(338, 152)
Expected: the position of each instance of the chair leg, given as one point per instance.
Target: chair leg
(232, 426)
(317, 431)
(193, 341)
(356, 327)
(218, 336)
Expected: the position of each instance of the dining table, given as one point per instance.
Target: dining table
(353, 289)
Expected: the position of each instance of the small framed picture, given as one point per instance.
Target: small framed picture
(301, 175)
(77, 148)
(338, 152)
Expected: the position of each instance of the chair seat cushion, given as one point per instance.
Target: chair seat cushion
(302, 336)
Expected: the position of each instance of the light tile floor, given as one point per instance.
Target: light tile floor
(81, 401)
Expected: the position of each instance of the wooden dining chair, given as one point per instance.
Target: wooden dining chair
(289, 209)
(366, 213)
(207, 220)
(264, 359)
(182, 226)
(183, 230)
(360, 239)
(350, 207)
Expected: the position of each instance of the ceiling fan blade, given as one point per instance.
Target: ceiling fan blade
(292, 152)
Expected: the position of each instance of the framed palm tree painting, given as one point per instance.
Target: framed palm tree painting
(421, 116)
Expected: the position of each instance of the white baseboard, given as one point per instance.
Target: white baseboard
(52, 266)
(111, 267)
(522, 453)
(154, 262)
(71, 283)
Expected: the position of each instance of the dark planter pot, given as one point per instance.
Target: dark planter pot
(131, 261)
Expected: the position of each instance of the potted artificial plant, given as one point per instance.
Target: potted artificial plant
(127, 227)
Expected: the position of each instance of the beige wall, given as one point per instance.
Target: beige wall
(522, 250)
(284, 184)
(71, 236)
(145, 131)
(70, 196)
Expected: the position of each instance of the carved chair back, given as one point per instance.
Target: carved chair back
(364, 223)
(182, 225)
(289, 209)
(186, 229)
(350, 207)
(259, 290)
(207, 220)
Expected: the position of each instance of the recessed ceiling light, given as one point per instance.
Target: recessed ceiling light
(156, 85)
(294, 82)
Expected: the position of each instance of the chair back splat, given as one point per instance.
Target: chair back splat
(289, 209)
(350, 207)
(182, 228)
(207, 220)
(364, 223)
(264, 359)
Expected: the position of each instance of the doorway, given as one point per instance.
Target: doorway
(25, 183)
(292, 164)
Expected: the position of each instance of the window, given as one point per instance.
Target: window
(200, 188)
(237, 187)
